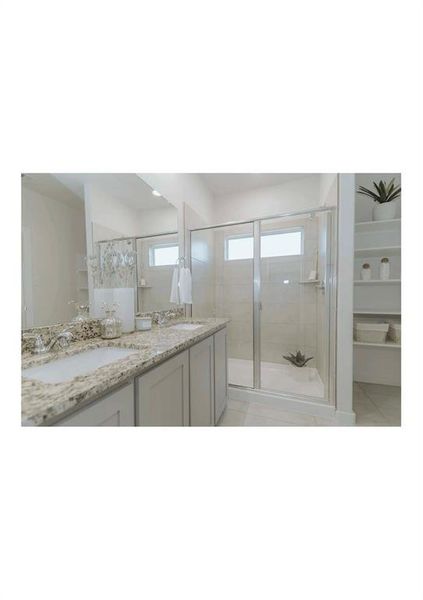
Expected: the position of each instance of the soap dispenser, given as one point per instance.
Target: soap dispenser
(111, 325)
(82, 312)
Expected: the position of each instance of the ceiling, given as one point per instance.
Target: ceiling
(126, 187)
(47, 185)
(221, 184)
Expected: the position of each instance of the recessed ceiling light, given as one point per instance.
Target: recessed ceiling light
(156, 193)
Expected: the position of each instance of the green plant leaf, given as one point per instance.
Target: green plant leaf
(365, 192)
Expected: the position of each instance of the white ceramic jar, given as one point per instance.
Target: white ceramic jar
(384, 269)
(143, 323)
(366, 272)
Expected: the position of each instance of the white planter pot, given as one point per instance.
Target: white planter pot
(385, 211)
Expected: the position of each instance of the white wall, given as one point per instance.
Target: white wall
(56, 240)
(113, 218)
(298, 194)
(180, 188)
(344, 333)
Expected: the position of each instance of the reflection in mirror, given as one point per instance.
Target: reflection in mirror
(156, 260)
(53, 250)
(105, 217)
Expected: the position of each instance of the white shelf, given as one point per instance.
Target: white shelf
(143, 287)
(377, 312)
(376, 281)
(391, 345)
(382, 251)
(310, 281)
(371, 226)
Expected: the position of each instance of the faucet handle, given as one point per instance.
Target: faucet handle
(39, 345)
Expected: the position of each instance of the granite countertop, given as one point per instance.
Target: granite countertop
(45, 403)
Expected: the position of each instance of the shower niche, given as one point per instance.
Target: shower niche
(274, 279)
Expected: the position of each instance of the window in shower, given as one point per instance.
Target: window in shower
(288, 242)
(162, 255)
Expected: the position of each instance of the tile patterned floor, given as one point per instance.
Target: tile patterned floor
(242, 413)
(374, 405)
(377, 405)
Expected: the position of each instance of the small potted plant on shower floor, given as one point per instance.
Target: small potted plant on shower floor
(296, 362)
(385, 196)
(298, 359)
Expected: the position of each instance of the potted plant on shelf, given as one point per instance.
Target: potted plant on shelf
(385, 197)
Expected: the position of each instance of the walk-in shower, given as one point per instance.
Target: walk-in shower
(274, 279)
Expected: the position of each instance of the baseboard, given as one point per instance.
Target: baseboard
(299, 405)
(344, 418)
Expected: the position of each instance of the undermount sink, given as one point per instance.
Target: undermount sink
(65, 369)
(186, 326)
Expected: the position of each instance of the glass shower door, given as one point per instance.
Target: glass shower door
(294, 310)
(222, 274)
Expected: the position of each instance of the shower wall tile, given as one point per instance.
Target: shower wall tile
(280, 333)
(240, 311)
(280, 313)
(238, 293)
(238, 331)
(279, 293)
(238, 349)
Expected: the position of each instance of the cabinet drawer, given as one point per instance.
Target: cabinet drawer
(113, 410)
(162, 394)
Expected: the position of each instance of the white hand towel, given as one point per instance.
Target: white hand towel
(174, 291)
(185, 286)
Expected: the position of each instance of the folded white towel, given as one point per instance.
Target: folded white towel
(185, 286)
(174, 291)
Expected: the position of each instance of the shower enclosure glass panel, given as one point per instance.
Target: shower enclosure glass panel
(292, 308)
(222, 274)
(274, 279)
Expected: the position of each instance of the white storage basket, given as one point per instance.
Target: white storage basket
(394, 332)
(371, 332)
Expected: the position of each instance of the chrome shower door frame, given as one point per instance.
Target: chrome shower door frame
(329, 284)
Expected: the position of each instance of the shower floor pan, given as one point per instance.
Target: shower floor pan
(277, 377)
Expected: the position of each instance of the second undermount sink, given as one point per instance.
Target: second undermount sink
(65, 369)
(186, 326)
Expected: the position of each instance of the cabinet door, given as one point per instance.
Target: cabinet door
(220, 373)
(201, 372)
(113, 410)
(162, 394)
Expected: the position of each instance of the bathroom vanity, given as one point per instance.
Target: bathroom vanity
(172, 376)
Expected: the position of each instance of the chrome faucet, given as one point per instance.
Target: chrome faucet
(161, 320)
(63, 338)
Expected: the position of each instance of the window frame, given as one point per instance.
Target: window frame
(299, 229)
(151, 254)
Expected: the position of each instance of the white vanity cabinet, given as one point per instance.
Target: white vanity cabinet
(187, 389)
(113, 410)
(220, 373)
(162, 394)
(201, 383)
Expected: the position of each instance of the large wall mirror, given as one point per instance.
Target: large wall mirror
(67, 219)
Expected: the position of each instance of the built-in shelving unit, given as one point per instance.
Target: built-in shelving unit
(378, 251)
(377, 300)
(376, 281)
(372, 226)
(381, 312)
(388, 344)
